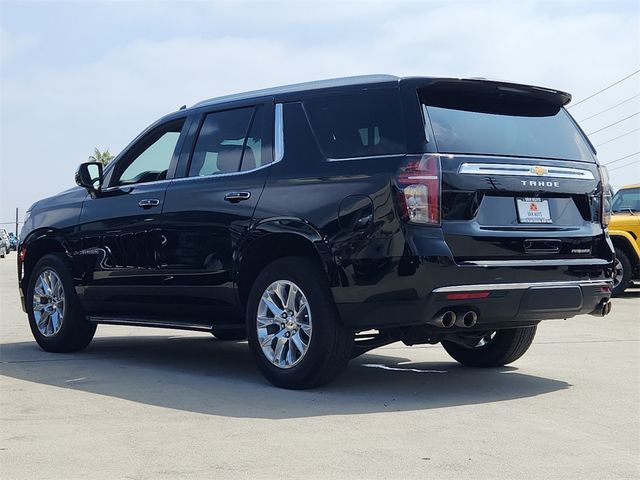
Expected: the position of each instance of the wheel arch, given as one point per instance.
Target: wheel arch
(279, 238)
(626, 242)
(35, 246)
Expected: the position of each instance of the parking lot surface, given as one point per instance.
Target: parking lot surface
(148, 404)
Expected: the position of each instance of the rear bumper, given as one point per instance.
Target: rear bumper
(506, 296)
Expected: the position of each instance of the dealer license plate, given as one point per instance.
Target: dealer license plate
(533, 210)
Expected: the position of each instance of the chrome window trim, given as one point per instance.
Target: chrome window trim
(534, 263)
(522, 286)
(278, 134)
(278, 155)
(366, 157)
(524, 170)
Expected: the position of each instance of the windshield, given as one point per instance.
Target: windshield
(493, 127)
(627, 200)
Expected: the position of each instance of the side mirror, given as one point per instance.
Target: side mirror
(89, 176)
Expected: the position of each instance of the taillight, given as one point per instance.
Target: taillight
(605, 196)
(419, 184)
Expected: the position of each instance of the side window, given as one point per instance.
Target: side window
(150, 159)
(255, 154)
(357, 125)
(228, 142)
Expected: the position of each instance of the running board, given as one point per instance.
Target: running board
(143, 322)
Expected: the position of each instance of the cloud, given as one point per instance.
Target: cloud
(55, 112)
(13, 45)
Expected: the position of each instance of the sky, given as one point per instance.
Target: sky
(79, 75)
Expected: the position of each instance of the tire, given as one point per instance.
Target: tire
(2, 252)
(229, 334)
(71, 332)
(622, 273)
(505, 347)
(328, 343)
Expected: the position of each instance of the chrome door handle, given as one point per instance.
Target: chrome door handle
(235, 197)
(148, 203)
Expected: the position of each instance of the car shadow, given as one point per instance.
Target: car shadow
(631, 292)
(203, 375)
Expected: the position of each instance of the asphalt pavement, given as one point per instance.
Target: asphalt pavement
(143, 403)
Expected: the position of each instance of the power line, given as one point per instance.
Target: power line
(621, 158)
(614, 123)
(619, 136)
(604, 89)
(621, 166)
(610, 108)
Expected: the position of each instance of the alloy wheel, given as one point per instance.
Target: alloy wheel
(284, 324)
(48, 303)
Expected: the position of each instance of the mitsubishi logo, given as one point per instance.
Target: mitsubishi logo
(538, 170)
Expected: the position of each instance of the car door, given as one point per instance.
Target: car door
(207, 212)
(117, 258)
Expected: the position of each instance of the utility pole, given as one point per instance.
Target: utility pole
(16, 221)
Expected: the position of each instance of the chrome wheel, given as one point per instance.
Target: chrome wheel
(618, 273)
(48, 303)
(284, 324)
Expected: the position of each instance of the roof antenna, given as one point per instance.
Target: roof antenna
(182, 107)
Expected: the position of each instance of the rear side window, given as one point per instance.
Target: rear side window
(499, 125)
(229, 142)
(357, 125)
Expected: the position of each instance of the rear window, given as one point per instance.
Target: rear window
(357, 125)
(503, 126)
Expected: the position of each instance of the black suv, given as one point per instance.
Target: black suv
(325, 219)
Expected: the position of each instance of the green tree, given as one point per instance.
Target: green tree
(102, 157)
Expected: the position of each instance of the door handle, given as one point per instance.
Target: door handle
(235, 197)
(148, 203)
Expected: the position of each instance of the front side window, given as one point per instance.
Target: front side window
(358, 125)
(150, 159)
(229, 142)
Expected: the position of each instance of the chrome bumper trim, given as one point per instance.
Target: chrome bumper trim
(535, 263)
(523, 286)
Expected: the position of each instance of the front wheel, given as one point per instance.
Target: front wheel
(494, 349)
(294, 331)
(56, 317)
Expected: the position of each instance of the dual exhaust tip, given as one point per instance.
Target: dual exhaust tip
(449, 318)
(604, 308)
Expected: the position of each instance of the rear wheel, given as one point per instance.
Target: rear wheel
(55, 315)
(294, 331)
(622, 273)
(495, 349)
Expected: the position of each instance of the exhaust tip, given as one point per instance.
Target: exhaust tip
(606, 308)
(448, 319)
(467, 320)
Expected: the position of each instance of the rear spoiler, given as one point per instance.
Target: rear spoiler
(492, 96)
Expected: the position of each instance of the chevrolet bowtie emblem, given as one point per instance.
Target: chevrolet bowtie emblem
(538, 170)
